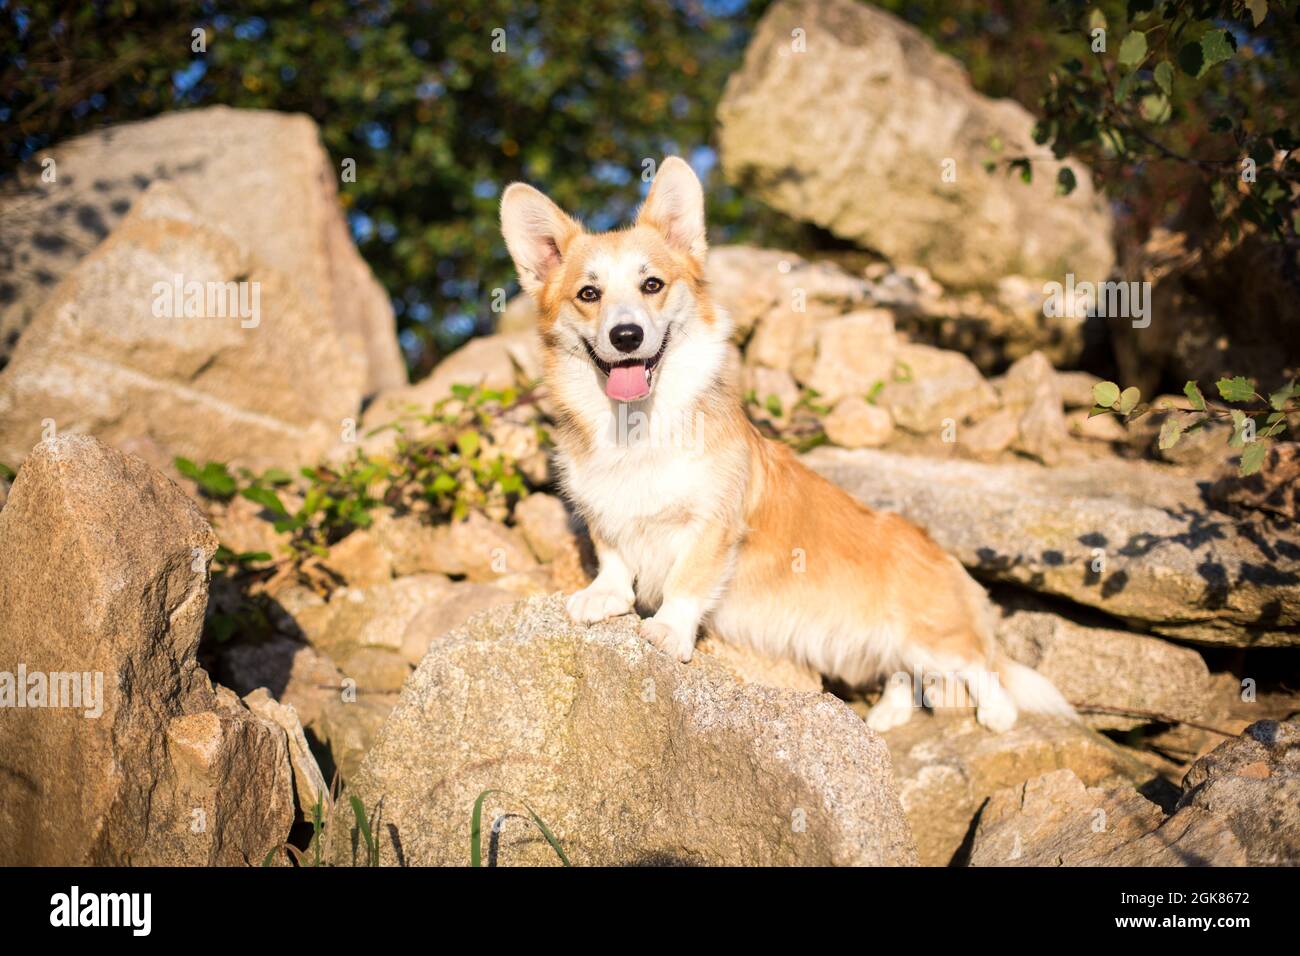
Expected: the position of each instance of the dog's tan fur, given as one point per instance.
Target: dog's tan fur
(729, 526)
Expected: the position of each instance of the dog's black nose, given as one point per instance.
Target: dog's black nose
(626, 337)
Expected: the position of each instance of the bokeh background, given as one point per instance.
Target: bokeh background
(438, 121)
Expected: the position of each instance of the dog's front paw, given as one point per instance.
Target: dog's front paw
(669, 638)
(593, 604)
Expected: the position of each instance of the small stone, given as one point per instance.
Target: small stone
(988, 438)
(856, 423)
(544, 522)
(930, 387)
(855, 354)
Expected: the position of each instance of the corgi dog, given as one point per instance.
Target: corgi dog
(711, 522)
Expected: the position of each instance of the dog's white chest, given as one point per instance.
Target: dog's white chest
(627, 487)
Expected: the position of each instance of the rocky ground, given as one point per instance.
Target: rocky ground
(414, 652)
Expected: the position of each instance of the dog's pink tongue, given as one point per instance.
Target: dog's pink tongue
(627, 383)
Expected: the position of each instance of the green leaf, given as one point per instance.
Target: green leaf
(1236, 389)
(1238, 439)
(1284, 394)
(1125, 88)
(1128, 399)
(7, 473)
(1164, 77)
(1217, 46)
(1133, 50)
(1105, 394)
(1170, 432)
(1252, 457)
(1193, 393)
(363, 825)
(468, 443)
(267, 498)
(1258, 10)
(1155, 108)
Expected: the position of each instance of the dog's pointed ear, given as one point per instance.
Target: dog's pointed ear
(537, 232)
(675, 207)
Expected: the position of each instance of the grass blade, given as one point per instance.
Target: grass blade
(476, 829)
(363, 824)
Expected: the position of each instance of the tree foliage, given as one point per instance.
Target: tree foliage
(440, 105)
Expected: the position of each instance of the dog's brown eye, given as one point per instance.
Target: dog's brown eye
(652, 285)
(588, 293)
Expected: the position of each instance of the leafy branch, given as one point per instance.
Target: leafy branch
(1173, 71)
(1253, 426)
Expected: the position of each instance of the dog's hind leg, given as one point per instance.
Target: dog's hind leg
(994, 707)
(896, 704)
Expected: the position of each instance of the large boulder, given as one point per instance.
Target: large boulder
(1127, 677)
(628, 757)
(1055, 820)
(1252, 784)
(844, 116)
(261, 177)
(103, 577)
(272, 388)
(1240, 805)
(1133, 539)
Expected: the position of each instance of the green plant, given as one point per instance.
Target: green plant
(476, 826)
(335, 502)
(446, 462)
(321, 818)
(443, 464)
(1253, 426)
(7, 473)
(364, 830)
(214, 479)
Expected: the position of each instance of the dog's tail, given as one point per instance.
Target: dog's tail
(1031, 691)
